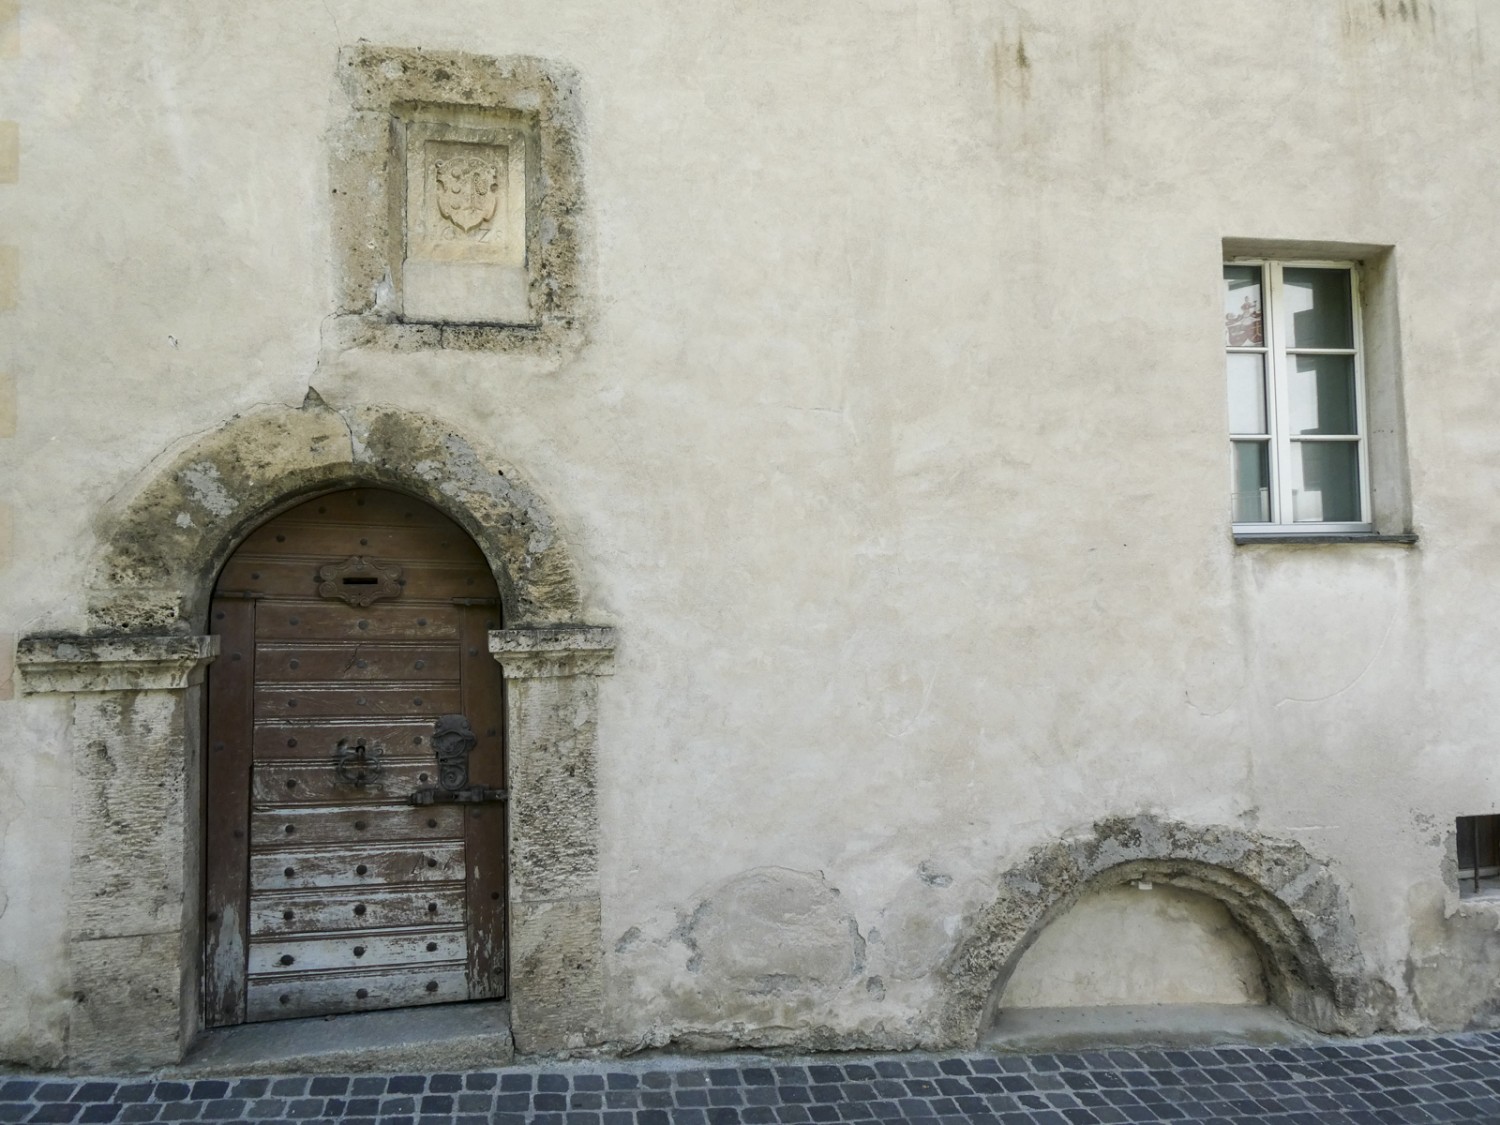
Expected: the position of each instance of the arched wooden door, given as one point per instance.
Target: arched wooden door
(347, 868)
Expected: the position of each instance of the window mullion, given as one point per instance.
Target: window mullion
(1361, 410)
(1280, 402)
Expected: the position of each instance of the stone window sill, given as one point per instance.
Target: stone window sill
(1403, 539)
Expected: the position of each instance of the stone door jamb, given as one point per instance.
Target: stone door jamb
(134, 728)
(556, 941)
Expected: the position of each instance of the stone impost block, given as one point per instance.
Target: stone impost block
(529, 654)
(108, 664)
(557, 975)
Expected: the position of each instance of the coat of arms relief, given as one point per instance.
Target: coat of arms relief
(467, 197)
(468, 190)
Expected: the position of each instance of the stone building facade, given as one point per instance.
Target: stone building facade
(889, 632)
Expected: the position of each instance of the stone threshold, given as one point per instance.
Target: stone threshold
(1145, 1025)
(443, 1037)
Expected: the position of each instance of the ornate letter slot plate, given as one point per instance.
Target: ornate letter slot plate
(359, 581)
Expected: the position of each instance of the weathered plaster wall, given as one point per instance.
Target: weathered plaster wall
(1128, 945)
(893, 443)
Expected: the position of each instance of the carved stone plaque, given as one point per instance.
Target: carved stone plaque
(466, 223)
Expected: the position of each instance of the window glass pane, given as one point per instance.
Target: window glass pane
(1242, 307)
(1321, 389)
(1320, 312)
(1325, 481)
(1467, 831)
(1247, 393)
(1251, 500)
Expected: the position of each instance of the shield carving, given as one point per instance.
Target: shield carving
(468, 191)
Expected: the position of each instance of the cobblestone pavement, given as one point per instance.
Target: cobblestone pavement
(1449, 1078)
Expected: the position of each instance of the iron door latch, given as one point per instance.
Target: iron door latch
(453, 740)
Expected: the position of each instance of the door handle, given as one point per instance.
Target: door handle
(453, 740)
(357, 763)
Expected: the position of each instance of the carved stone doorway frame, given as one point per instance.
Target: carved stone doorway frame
(134, 681)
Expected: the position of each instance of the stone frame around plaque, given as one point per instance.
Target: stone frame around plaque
(458, 216)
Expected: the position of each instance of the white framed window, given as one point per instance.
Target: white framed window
(1298, 429)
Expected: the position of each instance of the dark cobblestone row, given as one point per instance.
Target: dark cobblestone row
(1372, 1082)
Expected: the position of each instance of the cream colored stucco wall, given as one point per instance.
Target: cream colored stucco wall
(895, 449)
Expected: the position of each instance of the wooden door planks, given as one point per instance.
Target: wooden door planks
(349, 898)
(274, 998)
(306, 663)
(389, 780)
(352, 826)
(280, 576)
(336, 911)
(315, 701)
(371, 866)
(282, 620)
(280, 956)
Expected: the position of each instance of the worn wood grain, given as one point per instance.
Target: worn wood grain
(227, 811)
(282, 619)
(485, 832)
(313, 701)
(332, 911)
(392, 780)
(287, 998)
(334, 663)
(356, 952)
(315, 740)
(278, 828)
(297, 577)
(332, 542)
(375, 865)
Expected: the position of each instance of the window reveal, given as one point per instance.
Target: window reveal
(1298, 448)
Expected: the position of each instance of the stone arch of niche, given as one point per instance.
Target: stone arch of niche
(134, 681)
(1287, 902)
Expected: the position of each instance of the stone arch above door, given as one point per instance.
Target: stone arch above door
(1287, 901)
(161, 546)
